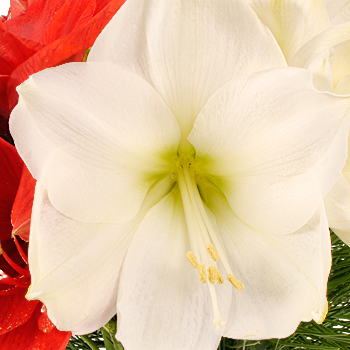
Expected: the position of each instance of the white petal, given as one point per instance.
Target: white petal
(96, 136)
(161, 303)
(337, 204)
(323, 41)
(293, 23)
(284, 276)
(343, 88)
(75, 266)
(321, 70)
(340, 61)
(274, 146)
(338, 11)
(187, 49)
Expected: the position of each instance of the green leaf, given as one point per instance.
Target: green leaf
(107, 340)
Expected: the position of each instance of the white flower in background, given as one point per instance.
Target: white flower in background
(338, 11)
(184, 140)
(315, 34)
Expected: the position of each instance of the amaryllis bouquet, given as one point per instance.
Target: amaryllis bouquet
(187, 169)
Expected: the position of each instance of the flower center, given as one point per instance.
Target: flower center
(206, 249)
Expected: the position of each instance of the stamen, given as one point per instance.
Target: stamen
(219, 277)
(234, 281)
(192, 259)
(211, 274)
(188, 213)
(20, 250)
(192, 189)
(203, 238)
(214, 275)
(6, 279)
(237, 284)
(218, 321)
(202, 273)
(14, 265)
(212, 252)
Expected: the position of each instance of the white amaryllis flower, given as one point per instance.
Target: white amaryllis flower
(181, 172)
(315, 34)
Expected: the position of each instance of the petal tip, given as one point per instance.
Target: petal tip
(33, 294)
(22, 88)
(321, 314)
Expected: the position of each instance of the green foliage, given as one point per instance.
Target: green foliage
(77, 343)
(333, 334)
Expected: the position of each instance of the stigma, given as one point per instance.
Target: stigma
(206, 249)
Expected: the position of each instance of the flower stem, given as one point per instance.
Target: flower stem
(89, 342)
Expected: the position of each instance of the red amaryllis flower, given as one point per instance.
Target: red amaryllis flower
(45, 33)
(23, 324)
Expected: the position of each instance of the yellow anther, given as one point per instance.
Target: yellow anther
(234, 281)
(192, 259)
(219, 278)
(212, 274)
(212, 252)
(202, 273)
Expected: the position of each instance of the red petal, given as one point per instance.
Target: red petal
(32, 22)
(12, 52)
(88, 13)
(22, 206)
(10, 171)
(17, 7)
(101, 4)
(15, 311)
(60, 50)
(46, 21)
(74, 14)
(31, 44)
(4, 105)
(30, 337)
(44, 323)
